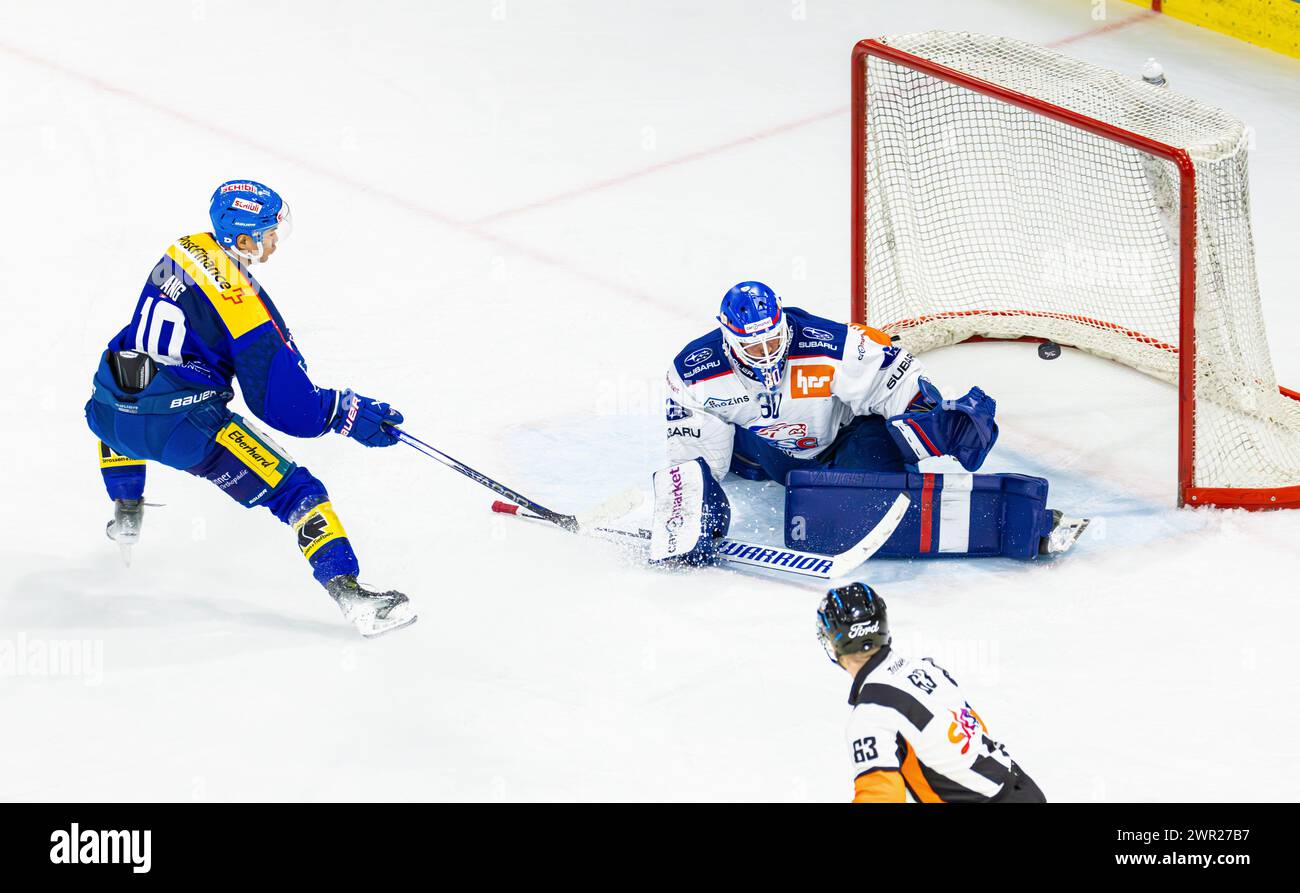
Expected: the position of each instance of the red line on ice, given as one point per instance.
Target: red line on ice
(466, 227)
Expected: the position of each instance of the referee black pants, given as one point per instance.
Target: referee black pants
(1020, 788)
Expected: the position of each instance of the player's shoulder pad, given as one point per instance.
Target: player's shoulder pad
(226, 287)
(703, 359)
(814, 336)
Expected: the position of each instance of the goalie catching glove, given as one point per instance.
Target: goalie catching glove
(963, 428)
(691, 517)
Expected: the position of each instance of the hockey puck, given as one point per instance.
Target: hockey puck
(1049, 350)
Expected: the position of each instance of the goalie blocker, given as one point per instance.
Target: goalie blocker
(691, 515)
(975, 515)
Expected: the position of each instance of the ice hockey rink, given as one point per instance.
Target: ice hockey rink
(509, 216)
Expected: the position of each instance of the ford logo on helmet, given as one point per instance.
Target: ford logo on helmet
(699, 356)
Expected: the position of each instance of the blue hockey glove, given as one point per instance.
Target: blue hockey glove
(964, 428)
(365, 420)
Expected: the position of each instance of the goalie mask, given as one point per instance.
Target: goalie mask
(754, 327)
(850, 620)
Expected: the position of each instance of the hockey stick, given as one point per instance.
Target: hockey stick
(614, 507)
(787, 561)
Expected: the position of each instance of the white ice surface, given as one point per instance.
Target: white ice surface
(509, 216)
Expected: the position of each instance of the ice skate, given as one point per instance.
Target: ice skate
(372, 613)
(1065, 532)
(124, 529)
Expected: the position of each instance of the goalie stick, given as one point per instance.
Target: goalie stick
(770, 558)
(615, 507)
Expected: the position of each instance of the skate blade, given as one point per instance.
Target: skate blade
(390, 625)
(1069, 537)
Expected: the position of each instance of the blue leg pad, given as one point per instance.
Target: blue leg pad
(974, 515)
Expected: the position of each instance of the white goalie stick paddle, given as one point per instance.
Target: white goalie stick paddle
(771, 558)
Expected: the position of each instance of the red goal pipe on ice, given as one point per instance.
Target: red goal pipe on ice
(1263, 498)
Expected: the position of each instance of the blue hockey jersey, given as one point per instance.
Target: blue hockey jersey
(204, 317)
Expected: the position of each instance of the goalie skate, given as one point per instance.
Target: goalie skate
(1065, 532)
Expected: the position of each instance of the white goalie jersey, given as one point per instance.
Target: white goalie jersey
(834, 373)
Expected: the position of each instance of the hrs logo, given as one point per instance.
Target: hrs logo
(811, 381)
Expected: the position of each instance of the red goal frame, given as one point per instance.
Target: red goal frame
(1238, 497)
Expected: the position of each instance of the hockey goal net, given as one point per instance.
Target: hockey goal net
(1004, 191)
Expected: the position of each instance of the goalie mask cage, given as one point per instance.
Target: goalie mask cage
(1004, 191)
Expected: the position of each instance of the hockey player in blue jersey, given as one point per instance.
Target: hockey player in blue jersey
(162, 388)
(843, 418)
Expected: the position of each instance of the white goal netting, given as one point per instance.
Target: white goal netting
(985, 219)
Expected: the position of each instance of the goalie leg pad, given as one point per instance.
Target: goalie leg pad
(978, 515)
(691, 515)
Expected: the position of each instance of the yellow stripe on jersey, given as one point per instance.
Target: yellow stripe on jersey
(318, 527)
(221, 281)
(254, 451)
(108, 458)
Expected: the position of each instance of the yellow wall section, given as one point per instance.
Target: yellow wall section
(1274, 24)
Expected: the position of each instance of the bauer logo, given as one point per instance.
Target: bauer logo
(191, 399)
(704, 354)
(811, 381)
(244, 204)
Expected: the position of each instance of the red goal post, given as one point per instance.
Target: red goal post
(1020, 322)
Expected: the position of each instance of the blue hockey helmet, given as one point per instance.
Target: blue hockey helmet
(755, 328)
(246, 207)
